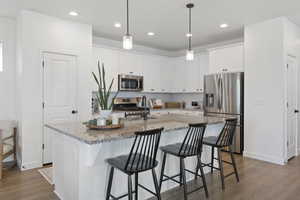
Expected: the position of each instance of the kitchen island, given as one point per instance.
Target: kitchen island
(79, 168)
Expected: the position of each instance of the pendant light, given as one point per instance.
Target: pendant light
(190, 52)
(127, 39)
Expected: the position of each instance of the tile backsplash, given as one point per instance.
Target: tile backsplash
(171, 97)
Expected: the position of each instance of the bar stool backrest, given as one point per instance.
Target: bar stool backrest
(144, 150)
(225, 138)
(192, 143)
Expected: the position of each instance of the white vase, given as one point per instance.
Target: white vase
(105, 113)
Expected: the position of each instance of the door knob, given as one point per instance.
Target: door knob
(74, 111)
(296, 111)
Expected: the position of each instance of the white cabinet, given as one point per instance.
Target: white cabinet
(110, 59)
(179, 76)
(157, 75)
(166, 75)
(226, 59)
(192, 81)
(161, 74)
(188, 75)
(204, 68)
(130, 63)
(151, 66)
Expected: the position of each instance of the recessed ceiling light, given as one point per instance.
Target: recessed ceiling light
(118, 25)
(223, 25)
(73, 13)
(150, 33)
(189, 35)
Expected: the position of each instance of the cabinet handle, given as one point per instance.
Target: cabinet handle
(152, 89)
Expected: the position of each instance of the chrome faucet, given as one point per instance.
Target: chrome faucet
(144, 105)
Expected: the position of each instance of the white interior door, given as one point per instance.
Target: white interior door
(60, 94)
(292, 111)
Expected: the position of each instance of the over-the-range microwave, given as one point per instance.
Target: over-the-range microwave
(130, 82)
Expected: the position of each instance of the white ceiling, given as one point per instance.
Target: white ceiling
(167, 18)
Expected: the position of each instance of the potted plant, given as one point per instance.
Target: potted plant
(104, 92)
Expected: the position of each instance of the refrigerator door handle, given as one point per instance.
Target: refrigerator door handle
(221, 93)
(219, 89)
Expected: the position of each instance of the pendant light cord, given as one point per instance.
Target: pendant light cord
(190, 28)
(127, 33)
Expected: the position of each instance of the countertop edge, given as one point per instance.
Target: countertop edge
(80, 139)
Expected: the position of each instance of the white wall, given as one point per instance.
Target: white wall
(7, 76)
(292, 45)
(264, 91)
(267, 46)
(38, 33)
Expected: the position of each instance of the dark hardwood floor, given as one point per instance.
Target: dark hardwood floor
(258, 181)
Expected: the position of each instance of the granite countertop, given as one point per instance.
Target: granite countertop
(170, 122)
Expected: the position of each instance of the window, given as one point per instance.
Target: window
(1, 57)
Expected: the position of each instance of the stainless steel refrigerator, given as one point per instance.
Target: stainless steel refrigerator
(224, 97)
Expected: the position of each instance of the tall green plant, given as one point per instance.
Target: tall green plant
(103, 93)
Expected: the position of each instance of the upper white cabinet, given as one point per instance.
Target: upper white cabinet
(188, 75)
(157, 74)
(204, 68)
(166, 75)
(110, 59)
(226, 59)
(161, 74)
(151, 66)
(130, 63)
(179, 75)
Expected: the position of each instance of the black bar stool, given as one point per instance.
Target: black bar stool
(225, 139)
(191, 146)
(142, 157)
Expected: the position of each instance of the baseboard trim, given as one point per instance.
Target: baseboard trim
(31, 165)
(270, 159)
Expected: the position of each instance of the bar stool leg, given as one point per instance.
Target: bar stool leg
(221, 168)
(156, 184)
(197, 169)
(234, 165)
(182, 171)
(136, 182)
(202, 176)
(212, 159)
(162, 170)
(110, 180)
(180, 177)
(129, 188)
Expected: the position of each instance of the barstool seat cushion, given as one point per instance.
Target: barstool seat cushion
(121, 161)
(211, 141)
(174, 149)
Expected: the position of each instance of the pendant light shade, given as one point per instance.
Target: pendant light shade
(190, 53)
(127, 42)
(127, 39)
